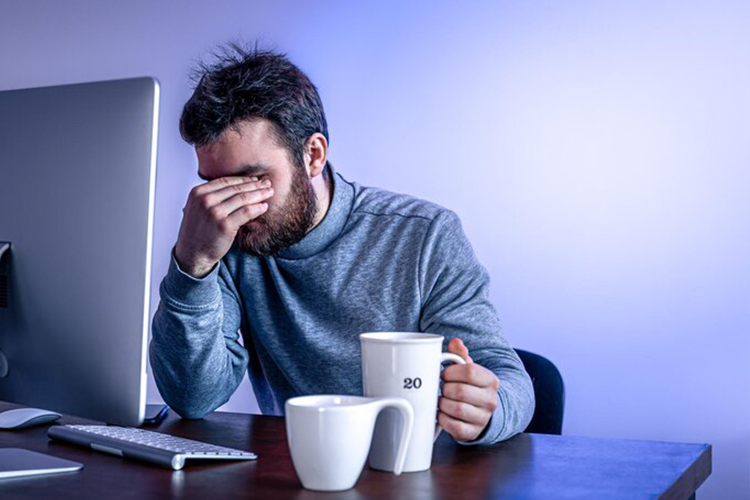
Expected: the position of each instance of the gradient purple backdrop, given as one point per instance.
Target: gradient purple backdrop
(597, 152)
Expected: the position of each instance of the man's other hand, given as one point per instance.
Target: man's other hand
(469, 396)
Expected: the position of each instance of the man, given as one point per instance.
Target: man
(281, 249)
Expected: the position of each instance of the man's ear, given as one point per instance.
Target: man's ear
(316, 154)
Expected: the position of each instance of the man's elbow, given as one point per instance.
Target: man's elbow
(519, 404)
(189, 406)
(186, 403)
(191, 412)
(529, 403)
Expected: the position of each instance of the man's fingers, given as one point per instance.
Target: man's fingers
(457, 346)
(466, 393)
(243, 215)
(240, 199)
(471, 373)
(219, 196)
(463, 411)
(461, 431)
(221, 183)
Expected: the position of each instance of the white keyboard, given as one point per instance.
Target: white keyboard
(156, 447)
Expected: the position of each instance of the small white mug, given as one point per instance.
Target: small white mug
(405, 365)
(329, 437)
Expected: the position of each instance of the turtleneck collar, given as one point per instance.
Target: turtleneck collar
(332, 224)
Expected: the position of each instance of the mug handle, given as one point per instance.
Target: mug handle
(445, 358)
(407, 418)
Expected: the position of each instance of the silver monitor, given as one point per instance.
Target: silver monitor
(77, 180)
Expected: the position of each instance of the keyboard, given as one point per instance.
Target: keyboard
(151, 446)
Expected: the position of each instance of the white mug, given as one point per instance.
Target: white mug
(329, 437)
(405, 365)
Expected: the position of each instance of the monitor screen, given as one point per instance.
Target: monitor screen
(77, 180)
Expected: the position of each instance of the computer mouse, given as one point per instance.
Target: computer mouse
(20, 418)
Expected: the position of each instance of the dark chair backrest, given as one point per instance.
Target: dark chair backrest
(549, 391)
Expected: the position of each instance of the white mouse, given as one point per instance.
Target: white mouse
(21, 418)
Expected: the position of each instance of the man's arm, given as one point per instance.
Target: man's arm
(195, 355)
(455, 303)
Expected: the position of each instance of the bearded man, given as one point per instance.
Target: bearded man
(279, 249)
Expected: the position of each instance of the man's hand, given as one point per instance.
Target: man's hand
(469, 396)
(213, 215)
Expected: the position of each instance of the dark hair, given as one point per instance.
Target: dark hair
(242, 84)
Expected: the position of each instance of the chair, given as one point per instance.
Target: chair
(549, 391)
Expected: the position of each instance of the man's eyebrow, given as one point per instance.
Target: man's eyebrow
(246, 170)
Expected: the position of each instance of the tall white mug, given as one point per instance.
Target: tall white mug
(404, 365)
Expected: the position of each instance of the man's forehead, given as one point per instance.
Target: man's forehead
(242, 138)
(249, 170)
(248, 148)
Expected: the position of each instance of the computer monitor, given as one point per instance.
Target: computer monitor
(77, 180)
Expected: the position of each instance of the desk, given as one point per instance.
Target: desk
(528, 466)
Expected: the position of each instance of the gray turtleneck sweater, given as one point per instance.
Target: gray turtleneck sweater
(378, 261)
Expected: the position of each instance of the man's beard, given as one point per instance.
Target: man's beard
(287, 225)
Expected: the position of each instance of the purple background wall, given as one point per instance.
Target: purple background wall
(598, 154)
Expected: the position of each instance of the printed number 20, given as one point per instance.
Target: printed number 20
(410, 383)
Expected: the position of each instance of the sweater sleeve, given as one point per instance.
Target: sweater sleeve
(455, 303)
(195, 353)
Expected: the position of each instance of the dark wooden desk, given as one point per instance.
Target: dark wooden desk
(528, 466)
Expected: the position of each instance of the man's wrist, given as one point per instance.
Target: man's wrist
(197, 270)
(183, 288)
(484, 431)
